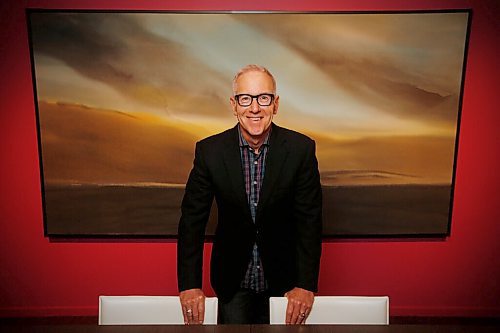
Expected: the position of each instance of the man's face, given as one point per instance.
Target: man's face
(255, 120)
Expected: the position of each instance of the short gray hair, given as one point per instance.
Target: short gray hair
(253, 68)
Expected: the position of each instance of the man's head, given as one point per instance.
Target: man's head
(254, 101)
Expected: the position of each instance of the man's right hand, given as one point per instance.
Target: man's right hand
(193, 306)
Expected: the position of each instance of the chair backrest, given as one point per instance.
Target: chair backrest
(342, 310)
(148, 310)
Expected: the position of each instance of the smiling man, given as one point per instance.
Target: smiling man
(266, 184)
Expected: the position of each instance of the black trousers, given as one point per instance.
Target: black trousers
(246, 307)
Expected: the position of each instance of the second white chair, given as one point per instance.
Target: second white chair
(148, 310)
(344, 310)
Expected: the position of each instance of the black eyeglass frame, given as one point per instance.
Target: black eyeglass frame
(237, 98)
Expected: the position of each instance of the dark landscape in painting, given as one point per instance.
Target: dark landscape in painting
(151, 211)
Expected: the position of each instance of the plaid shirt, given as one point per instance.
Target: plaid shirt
(254, 166)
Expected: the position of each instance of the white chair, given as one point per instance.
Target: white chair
(342, 310)
(148, 310)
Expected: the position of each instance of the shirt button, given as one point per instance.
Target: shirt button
(255, 162)
(258, 267)
(255, 182)
(255, 204)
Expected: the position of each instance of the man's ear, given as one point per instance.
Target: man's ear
(276, 104)
(233, 104)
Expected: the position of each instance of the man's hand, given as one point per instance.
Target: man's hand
(300, 302)
(193, 306)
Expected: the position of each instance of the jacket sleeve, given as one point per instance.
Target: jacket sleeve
(308, 219)
(195, 211)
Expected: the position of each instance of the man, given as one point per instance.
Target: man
(266, 184)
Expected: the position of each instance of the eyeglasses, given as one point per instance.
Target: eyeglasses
(262, 99)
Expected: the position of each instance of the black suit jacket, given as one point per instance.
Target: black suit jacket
(288, 222)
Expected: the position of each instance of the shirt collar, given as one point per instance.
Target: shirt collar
(244, 143)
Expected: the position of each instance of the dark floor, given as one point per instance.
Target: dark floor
(393, 320)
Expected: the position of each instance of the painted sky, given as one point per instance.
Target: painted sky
(354, 81)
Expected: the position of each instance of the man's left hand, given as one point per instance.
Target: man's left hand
(300, 302)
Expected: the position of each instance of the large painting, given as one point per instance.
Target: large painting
(122, 97)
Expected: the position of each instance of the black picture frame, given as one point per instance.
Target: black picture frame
(89, 191)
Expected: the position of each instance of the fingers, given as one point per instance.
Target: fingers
(299, 306)
(188, 314)
(194, 312)
(295, 318)
(289, 313)
(193, 306)
(299, 315)
(296, 312)
(201, 311)
(303, 314)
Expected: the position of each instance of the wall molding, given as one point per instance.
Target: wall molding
(49, 311)
(445, 311)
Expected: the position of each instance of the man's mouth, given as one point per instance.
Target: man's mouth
(255, 118)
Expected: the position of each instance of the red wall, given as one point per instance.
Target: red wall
(456, 276)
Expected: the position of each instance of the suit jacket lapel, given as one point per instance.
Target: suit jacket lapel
(232, 161)
(276, 157)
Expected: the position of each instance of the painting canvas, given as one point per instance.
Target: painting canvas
(122, 97)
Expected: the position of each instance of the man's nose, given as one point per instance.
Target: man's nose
(254, 107)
